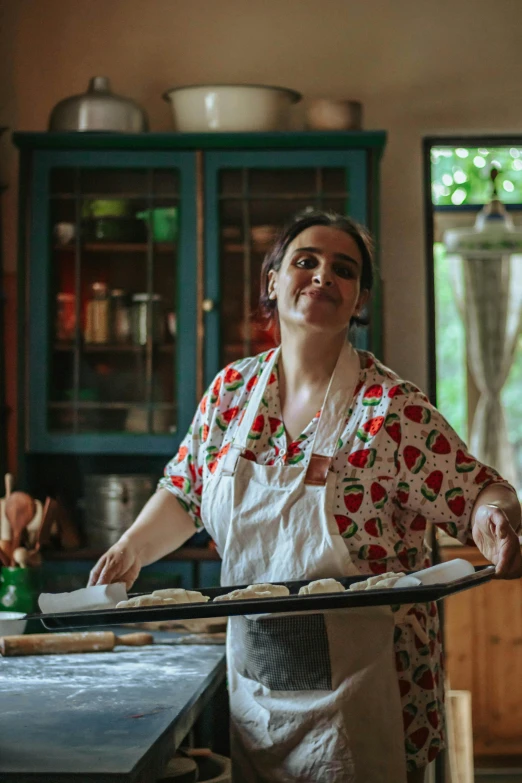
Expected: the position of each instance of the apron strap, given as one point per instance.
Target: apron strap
(239, 443)
(336, 403)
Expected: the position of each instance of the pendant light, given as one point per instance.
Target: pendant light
(493, 233)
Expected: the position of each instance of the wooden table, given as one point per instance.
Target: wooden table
(102, 717)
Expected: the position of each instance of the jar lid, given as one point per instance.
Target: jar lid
(146, 297)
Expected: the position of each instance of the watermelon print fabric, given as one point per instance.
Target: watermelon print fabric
(399, 465)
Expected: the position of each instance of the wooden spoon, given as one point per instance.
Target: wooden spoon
(19, 509)
(5, 530)
(5, 558)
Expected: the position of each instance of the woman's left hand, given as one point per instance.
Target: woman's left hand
(497, 541)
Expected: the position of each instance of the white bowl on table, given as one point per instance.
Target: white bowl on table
(230, 107)
(12, 623)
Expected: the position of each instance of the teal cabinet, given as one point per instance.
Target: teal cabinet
(105, 374)
(139, 273)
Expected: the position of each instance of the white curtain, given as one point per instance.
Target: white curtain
(489, 295)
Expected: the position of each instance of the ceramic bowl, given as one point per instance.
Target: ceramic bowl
(12, 623)
(230, 107)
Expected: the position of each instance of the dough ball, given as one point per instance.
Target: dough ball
(140, 600)
(358, 586)
(178, 595)
(255, 591)
(322, 586)
(378, 582)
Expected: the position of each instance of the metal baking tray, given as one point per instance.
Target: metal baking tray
(288, 604)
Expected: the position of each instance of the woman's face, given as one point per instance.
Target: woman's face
(318, 284)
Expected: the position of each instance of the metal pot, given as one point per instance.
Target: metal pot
(112, 503)
(98, 109)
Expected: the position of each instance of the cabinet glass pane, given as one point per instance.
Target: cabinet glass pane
(112, 333)
(254, 205)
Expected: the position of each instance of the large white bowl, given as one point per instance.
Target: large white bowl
(12, 623)
(230, 107)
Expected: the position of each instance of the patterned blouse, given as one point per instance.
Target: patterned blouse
(399, 465)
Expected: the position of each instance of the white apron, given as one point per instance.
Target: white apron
(314, 697)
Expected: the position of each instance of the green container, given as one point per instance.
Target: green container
(19, 589)
(110, 207)
(163, 222)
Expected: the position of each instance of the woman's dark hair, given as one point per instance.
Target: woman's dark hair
(299, 223)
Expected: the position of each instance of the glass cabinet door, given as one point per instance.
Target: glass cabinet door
(249, 197)
(116, 307)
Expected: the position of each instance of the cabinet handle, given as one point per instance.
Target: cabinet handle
(208, 305)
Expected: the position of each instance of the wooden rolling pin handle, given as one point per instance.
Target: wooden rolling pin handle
(57, 643)
(134, 639)
(64, 643)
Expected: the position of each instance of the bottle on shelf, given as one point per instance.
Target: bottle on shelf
(97, 315)
(65, 316)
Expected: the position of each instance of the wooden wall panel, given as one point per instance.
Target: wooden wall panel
(483, 642)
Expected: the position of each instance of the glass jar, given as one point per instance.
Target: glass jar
(19, 589)
(65, 316)
(120, 316)
(97, 315)
(141, 305)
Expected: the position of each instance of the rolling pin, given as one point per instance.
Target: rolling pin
(64, 643)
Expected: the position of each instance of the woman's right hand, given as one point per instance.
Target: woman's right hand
(121, 563)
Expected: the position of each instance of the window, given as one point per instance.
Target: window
(460, 184)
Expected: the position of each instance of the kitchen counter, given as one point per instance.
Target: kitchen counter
(102, 716)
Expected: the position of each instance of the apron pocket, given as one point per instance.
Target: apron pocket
(285, 653)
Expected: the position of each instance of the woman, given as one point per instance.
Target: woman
(315, 460)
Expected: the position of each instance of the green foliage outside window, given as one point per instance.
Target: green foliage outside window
(462, 175)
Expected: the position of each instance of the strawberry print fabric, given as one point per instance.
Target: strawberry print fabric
(399, 465)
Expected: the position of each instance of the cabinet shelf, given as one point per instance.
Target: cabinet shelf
(109, 406)
(112, 348)
(118, 247)
(91, 553)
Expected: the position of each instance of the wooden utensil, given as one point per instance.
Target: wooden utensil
(5, 529)
(21, 557)
(4, 558)
(34, 525)
(20, 510)
(64, 643)
(7, 552)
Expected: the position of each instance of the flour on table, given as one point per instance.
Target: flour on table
(255, 591)
(322, 586)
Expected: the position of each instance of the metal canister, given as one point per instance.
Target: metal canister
(111, 504)
(141, 305)
(119, 316)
